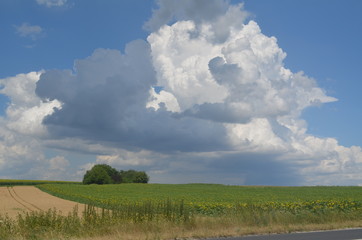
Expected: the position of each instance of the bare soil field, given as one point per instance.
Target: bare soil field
(22, 199)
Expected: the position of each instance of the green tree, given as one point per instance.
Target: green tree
(105, 174)
(141, 177)
(133, 176)
(112, 172)
(97, 175)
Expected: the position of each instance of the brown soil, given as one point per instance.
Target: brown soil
(22, 199)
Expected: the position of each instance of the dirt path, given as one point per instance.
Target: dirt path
(21, 199)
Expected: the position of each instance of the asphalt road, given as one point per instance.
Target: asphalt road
(349, 234)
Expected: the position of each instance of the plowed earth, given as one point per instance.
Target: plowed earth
(22, 199)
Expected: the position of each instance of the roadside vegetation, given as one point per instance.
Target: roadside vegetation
(166, 211)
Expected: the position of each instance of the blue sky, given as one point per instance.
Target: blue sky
(314, 139)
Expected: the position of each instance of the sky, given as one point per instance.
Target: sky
(252, 92)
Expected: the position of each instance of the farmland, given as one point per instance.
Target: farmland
(200, 193)
(14, 182)
(212, 198)
(27, 199)
(166, 211)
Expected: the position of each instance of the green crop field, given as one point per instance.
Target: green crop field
(15, 182)
(201, 193)
(211, 198)
(174, 211)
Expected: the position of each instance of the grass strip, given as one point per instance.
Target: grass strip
(15, 182)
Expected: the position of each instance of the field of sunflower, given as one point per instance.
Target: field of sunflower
(214, 199)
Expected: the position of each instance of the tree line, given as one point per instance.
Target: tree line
(105, 174)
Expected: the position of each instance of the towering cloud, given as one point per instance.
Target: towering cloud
(106, 100)
(207, 95)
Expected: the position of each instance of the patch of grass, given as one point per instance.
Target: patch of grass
(92, 221)
(168, 221)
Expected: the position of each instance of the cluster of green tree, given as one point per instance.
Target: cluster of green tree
(105, 174)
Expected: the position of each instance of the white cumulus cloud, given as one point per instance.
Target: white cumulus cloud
(206, 98)
(26, 110)
(21, 130)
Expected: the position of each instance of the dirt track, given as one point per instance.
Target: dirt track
(21, 199)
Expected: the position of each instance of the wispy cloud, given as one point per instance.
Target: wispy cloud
(30, 31)
(52, 3)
